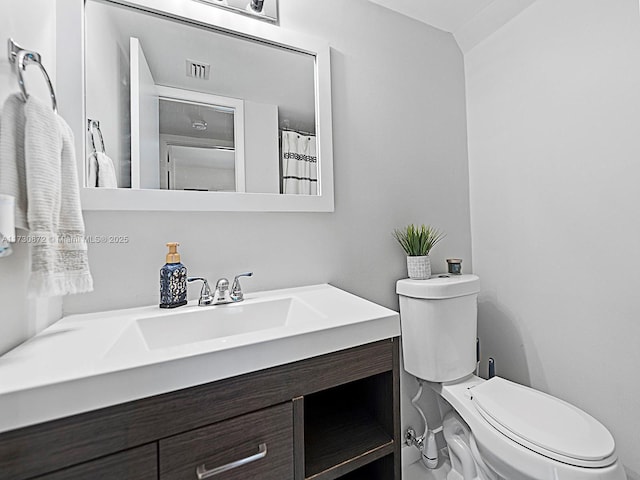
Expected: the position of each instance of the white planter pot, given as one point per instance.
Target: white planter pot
(419, 268)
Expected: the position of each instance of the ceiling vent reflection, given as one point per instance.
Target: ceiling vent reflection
(198, 69)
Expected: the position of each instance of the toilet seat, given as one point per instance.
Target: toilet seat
(544, 424)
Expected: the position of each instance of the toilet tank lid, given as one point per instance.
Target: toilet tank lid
(439, 286)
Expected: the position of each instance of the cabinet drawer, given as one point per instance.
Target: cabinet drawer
(136, 464)
(263, 438)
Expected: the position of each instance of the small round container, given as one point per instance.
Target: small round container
(454, 266)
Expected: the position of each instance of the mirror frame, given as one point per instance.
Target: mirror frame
(70, 24)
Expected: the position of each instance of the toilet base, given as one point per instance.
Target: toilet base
(466, 462)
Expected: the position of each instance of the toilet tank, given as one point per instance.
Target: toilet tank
(438, 319)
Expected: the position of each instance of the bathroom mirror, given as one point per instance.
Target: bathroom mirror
(200, 109)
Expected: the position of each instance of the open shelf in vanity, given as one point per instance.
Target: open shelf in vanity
(348, 427)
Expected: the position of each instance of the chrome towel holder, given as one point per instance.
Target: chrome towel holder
(93, 126)
(21, 57)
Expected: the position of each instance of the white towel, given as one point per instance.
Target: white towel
(12, 170)
(38, 167)
(102, 173)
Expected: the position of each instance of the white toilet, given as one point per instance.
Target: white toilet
(495, 429)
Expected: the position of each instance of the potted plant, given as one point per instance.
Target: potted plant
(417, 242)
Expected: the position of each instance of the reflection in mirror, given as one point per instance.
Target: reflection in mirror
(183, 107)
(197, 142)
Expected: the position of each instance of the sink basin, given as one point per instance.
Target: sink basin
(207, 323)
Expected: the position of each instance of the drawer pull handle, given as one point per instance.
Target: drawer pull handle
(202, 471)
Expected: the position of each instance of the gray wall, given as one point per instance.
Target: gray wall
(553, 103)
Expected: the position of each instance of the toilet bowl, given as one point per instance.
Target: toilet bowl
(520, 433)
(495, 429)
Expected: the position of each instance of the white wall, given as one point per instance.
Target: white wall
(20, 318)
(553, 103)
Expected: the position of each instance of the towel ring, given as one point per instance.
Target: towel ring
(21, 58)
(94, 126)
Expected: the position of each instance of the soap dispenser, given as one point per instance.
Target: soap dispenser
(173, 280)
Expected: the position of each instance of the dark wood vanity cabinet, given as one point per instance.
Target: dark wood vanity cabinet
(336, 416)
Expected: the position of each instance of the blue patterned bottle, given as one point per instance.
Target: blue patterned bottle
(173, 280)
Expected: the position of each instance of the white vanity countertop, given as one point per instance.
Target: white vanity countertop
(90, 361)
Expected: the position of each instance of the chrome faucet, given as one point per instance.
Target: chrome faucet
(222, 294)
(236, 288)
(205, 294)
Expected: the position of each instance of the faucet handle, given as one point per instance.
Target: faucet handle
(236, 288)
(205, 294)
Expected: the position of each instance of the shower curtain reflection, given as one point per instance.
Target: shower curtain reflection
(299, 164)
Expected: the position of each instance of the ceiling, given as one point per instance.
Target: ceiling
(470, 21)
